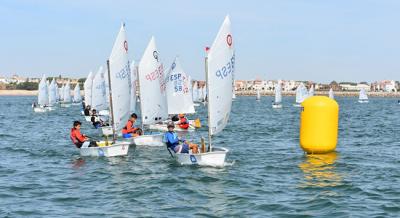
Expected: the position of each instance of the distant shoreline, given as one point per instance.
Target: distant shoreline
(238, 93)
(336, 93)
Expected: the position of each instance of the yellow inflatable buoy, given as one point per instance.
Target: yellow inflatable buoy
(319, 123)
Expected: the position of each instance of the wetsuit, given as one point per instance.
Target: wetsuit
(172, 141)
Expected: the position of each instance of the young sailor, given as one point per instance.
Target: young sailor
(96, 120)
(173, 142)
(129, 130)
(183, 122)
(80, 140)
(87, 110)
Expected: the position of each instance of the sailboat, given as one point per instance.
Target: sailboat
(61, 91)
(219, 85)
(363, 97)
(43, 96)
(119, 82)
(278, 96)
(311, 91)
(77, 94)
(179, 97)
(258, 97)
(99, 98)
(301, 95)
(331, 94)
(57, 92)
(52, 95)
(133, 87)
(153, 101)
(66, 96)
(196, 94)
(87, 87)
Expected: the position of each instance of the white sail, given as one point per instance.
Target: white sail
(67, 93)
(99, 98)
(52, 93)
(43, 96)
(258, 97)
(152, 86)
(220, 69)
(363, 94)
(87, 87)
(301, 93)
(77, 93)
(331, 95)
(278, 93)
(61, 90)
(57, 92)
(311, 91)
(133, 88)
(120, 80)
(233, 93)
(179, 96)
(195, 92)
(202, 94)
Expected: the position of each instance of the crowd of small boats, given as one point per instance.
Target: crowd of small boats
(112, 92)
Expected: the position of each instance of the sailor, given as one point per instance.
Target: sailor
(80, 140)
(87, 110)
(129, 130)
(96, 121)
(183, 122)
(176, 144)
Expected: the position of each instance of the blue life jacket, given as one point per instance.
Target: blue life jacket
(171, 139)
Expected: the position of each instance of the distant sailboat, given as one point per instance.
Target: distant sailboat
(99, 98)
(67, 99)
(363, 97)
(278, 96)
(87, 88)
(258, 97)
(311, 91)
(52, 94)
(301, 95)
(43, 96)
(77, 94)
(133, 87)
(331, 94)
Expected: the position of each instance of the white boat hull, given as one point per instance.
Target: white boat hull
(276, 106)
(88, 118)
(76, 103)
(39, 109)
(163, 128)
(104, 113)
(216, 158)
(155, 140)
(297, 105)
(65, 105)
(117, 149)
(363, 101)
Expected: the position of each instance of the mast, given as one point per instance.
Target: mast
(140, 96)
(111, 104)
(208, 107)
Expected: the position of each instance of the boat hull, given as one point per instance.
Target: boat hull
(155, 140)
(164, 128)
(88, 118)
(107, 130)
(216, 158)
(297, 105)
(39, 109)
(277, 106)
(65, 104)
(363, 101)
(117, 149)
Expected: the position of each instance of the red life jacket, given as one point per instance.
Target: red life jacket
(183, 123)
(128, 128)
(76, 137)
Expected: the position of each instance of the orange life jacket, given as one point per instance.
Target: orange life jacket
(183, 123)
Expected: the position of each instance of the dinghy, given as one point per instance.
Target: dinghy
(196, 94)
(77, 95)
(179, 97)
(66, 96)
(363, 97)
(52, 95)
(278, 96)
(43, 97)
(87, 86)
(153, 101)
(301, 95)
(311, 92)
(258, 97)
(331, 94)
(119, 82)
(220, 56)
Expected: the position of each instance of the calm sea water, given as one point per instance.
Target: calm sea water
(42, 174)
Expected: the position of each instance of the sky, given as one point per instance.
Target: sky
(321, 41)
